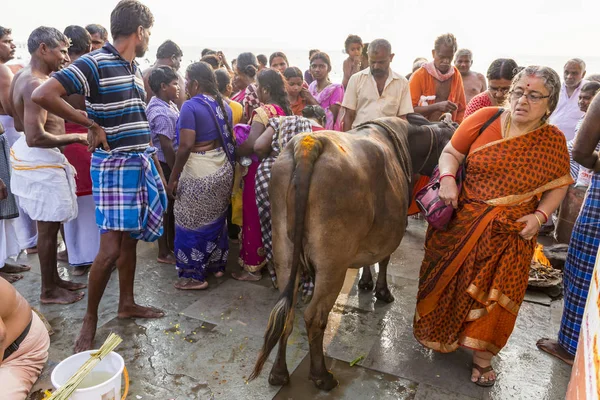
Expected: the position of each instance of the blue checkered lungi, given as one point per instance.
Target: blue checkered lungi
(129, 193)
(579, 266)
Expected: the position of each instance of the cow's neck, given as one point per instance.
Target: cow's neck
(419, 142)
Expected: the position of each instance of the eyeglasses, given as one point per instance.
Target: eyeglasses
(531, 97)
(502, 90)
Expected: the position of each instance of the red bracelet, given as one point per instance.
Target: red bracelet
(543, 213)
(447, 174)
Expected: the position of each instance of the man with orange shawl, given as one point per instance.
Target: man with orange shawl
(475, 273)
(437, 88)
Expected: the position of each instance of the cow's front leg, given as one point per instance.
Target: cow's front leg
(366, 280)
(382, 292)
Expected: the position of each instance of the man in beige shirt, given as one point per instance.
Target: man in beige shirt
(377, 91)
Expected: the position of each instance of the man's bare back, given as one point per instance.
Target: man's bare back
(6, 77)
(474, 83)
(23, 85)
(15, 314)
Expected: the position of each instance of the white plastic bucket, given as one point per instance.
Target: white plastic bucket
(108, 390)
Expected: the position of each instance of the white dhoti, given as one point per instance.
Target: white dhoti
(25, 227)
(43, 182)
(9, 245)
(82, 235)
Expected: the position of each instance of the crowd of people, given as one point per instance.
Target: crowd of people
(108, 155)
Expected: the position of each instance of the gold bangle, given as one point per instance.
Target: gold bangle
(538, 220)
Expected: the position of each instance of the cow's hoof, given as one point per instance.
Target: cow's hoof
(279, 379)
(384, 295)
(327, 383)
(365, 285)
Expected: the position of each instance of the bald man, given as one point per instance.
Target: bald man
(473, 82)
(567, 113)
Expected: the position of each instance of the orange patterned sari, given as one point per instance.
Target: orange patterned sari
(474, 274)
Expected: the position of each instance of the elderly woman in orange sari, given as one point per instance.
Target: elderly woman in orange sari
(475, 273)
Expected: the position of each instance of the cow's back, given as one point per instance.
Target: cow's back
(357, 202)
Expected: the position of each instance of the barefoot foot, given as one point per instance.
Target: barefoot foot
(190, 284)
(70, 285)
(246, 276)
(166, 259)
(553, 348)
(85, 340)
(32, 250)
(62, 256)
(11, 278)
(14, 268)
(137, 311)
(81, 270)
(60, 295)
(219, 274)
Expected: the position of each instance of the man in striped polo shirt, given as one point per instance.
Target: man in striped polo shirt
(126, 178)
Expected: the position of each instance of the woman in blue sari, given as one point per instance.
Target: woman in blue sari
(202, 180)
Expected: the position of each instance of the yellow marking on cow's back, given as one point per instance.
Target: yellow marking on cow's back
(307, 143)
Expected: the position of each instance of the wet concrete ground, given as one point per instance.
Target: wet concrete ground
(206, 345)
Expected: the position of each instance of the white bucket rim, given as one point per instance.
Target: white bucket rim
(85, 390)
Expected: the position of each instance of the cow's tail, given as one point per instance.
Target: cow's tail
(306, 152)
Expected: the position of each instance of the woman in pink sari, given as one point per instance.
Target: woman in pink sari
(329, 95)
(273, 97)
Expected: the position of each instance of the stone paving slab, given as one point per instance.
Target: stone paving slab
(167, 360)
(354, 383)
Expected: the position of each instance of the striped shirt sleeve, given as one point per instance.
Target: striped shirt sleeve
(81, 77)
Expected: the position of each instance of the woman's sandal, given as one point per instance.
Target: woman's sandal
(479, 382)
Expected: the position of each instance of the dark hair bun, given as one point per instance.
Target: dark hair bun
(250, 70)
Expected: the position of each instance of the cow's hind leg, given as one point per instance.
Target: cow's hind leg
(366, 280)
(382, 292)
(279, 375)
(329, 282)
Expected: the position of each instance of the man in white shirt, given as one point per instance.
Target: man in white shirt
(567, 113)
(377, 91)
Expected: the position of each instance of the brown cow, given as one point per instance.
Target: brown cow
(339, 201)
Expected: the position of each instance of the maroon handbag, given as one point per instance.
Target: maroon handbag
(433, 209)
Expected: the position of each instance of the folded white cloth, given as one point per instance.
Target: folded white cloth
(9, 129)
(82, 235)
(43, 182)
(9, 245)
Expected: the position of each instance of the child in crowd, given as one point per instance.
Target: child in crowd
(162, 116)
(581, 174)
(298, 95)
(352, 64)
(308, 78)
(262, 62)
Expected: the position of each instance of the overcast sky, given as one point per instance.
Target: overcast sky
(506, 28)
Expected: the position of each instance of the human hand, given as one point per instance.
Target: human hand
(172, 188)
(96, 137)
(448, 192)
(82, 138)
(3, 190)
(532, 226)
(446, 106)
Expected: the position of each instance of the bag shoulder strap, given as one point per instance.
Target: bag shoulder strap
(490, 121)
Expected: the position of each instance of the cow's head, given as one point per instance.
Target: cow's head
(427, 141)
